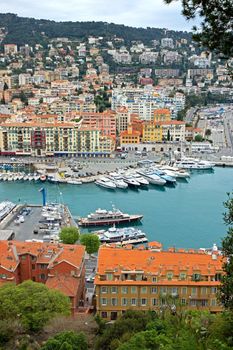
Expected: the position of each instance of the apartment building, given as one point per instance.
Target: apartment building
(152, 132)
(162, 115)
(59, 266)
(105, 122)
(43, 138)
(151, 279)
(122, 119)
(173, 130)
(10, 49)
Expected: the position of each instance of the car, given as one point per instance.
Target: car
(90, 278)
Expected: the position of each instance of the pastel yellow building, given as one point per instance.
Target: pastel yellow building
(152, 132)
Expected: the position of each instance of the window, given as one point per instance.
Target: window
(193, 302)
(33, 266)
(169, 276)
(104, 290)
(204, 302)
(174, 291)
(184, 290)
(213, 302)
(194, 291)
(163, 290)
(103, 301)
(144, 290)
(213, 290)
(124, 290)
(203, 290)
(183, 301)
(154, 290)
(43, 276)
(133, 290)
(114, 289)
(133, 302)
(154, 302)
(196, 277)
(114, 301)
(123, 301)
(104, 314)
(143, 302)
(182, 276)
(109, 276)
(23, 257)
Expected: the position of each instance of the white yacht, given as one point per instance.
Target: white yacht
(20, 177)
(131, 181)
(195, 164)
(105, 182)
(176, 172)
(140, 179)
(152, 177)
(119, 182)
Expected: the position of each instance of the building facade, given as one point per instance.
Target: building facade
(151, 279)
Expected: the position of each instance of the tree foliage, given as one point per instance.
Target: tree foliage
(188, 330)
(69, 235)
(32, 304)
(226, 288)
(67, 340)
(216, 32)
(91, 242)
(198, 138)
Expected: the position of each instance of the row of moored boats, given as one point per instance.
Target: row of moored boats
(153, 174)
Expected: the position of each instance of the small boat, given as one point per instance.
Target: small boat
(30, 177)
(10, 177)
(20, 177)
(74, 182)
(106, 183)
(15, 177)
(25, 178)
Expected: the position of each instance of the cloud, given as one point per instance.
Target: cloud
(138, 13)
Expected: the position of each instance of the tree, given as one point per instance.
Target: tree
(226, 288)
(216, 27)
(32, 303)
(69, 235)
(91, 242)
(67, 340)
(198, 138)
(168, 135)
(208, 132)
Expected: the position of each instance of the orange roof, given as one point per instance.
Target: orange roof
(130, 133)
(154, 262)
(45, 252)
(68, 285)
(162, 111)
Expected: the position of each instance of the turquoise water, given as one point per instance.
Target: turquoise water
(188, 215)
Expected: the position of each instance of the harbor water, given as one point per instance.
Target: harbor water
(189, 214)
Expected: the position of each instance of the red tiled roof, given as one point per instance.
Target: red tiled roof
(68, 285)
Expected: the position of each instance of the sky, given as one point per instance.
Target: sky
(136, 13)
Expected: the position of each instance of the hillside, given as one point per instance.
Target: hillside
(23, 30)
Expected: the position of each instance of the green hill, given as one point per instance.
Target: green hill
(23, 30)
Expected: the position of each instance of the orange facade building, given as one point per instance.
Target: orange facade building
(59, 266)
(149, 279)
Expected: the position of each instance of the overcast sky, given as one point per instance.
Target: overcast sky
(137, 13)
